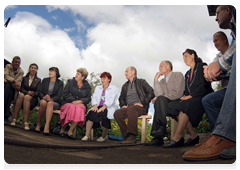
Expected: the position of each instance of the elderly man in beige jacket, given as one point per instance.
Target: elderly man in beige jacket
(167, 94)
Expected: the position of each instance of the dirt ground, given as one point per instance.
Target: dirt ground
(138, 154)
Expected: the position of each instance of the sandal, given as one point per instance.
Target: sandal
(26, 127)
(13, 122)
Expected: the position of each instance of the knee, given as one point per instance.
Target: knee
(43, 103)
(205, 101)
(50, 104)
(21, 96)
(117, 114)
(27, 97)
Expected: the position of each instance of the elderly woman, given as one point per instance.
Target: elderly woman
(190, 110)
(76, 96)
(103, 102)
(50, 92)
(28, 97)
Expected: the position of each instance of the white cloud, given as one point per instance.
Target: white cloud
(141, 36)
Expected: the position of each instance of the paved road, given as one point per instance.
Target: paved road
(138, 154)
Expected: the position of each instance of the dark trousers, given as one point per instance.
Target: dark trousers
(9, 92)
(163, 107)
(131, 113)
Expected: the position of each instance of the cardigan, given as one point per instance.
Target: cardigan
(72, 92)
(173, 89)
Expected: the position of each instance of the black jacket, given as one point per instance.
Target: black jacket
(72, 92)
(198, 87)
(57, 89)
(144, 92)
(34, 87)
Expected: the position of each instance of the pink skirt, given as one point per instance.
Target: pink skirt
(72, 112)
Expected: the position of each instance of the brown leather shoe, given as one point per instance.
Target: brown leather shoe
(130, 140)
(209, 150)
(204, 141)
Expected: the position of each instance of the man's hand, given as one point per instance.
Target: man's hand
(138, 104)
(158, 74)
(153, 100)
(16, 85)
(124, 106)
(212, 71)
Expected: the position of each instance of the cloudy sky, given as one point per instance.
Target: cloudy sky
(108, 38)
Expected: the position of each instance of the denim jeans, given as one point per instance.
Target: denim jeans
(211, 104)
(226, 123)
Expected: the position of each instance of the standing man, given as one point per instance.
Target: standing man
(213, 101)
(222, 142)
(13, 75)
(134, 101)
(168, 92)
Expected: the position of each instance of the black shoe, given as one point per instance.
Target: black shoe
(155, 142)
(46, 133)
(62, 134)
(37, 131)
(172, 143)
(71, 137)
(192, 142)
(161, 132)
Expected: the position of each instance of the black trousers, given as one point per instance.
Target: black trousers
(9, 92)
(163, 107)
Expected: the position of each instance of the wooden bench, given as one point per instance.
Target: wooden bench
(143, 128)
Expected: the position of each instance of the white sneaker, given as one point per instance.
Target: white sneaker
(101, 139)
(85, 138)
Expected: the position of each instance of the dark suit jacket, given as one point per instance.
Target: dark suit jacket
(34, 87)
(198, 87)
(57, 89)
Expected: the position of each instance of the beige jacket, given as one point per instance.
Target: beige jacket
(173, 89)
(9, 76)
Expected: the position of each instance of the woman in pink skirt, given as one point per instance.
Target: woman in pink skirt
(76, 96)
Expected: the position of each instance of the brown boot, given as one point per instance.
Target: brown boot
(130, 140)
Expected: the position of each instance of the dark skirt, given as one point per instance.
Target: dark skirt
(192, 107)
(97, 117)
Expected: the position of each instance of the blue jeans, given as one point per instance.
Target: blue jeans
(211, 104)
(226, 123)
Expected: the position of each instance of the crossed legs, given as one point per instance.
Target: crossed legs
(184, 123)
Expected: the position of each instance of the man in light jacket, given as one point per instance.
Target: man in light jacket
(168, 92)
(13, 75)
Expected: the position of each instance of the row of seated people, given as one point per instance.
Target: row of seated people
(175, 97)
(184, 100)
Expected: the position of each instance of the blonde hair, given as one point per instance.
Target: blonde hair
(83, 71)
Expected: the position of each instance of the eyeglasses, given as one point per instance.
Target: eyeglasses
(217, 13)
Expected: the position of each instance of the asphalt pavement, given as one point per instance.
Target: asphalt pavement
(29, 147)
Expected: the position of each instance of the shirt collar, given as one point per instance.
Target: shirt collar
(168, 76)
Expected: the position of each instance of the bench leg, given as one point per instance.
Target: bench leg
(91, 134)
(144, 126)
